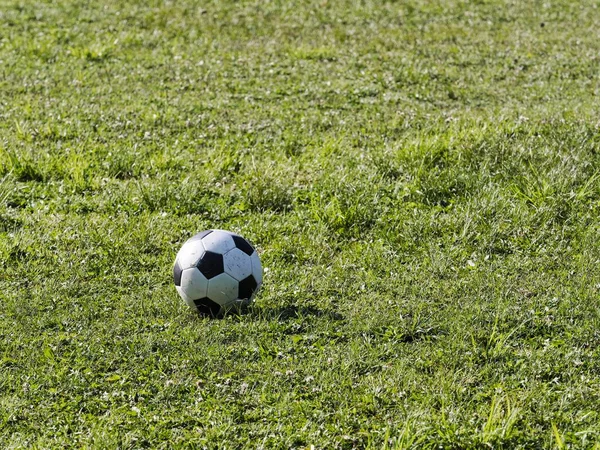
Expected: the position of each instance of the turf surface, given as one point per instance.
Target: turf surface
(421, 178)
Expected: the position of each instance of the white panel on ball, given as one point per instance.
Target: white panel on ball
(190, 253)
(188, 300)
(222, 289)
(218, 241)
(256, 268)
(237, 264)
(193, 284)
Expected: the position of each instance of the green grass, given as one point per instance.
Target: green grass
(421, 178)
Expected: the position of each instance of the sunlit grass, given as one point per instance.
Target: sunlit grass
(420, 178)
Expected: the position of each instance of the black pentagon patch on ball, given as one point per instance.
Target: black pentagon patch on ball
(211, 265)
(243, 245)
(200, 235)
(207, 307)
(247, 287)
(177, 273)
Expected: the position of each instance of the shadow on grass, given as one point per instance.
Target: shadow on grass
(283, 313)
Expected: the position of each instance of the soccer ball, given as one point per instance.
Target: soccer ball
(217, 270)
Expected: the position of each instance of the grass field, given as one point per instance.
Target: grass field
(421, 178)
